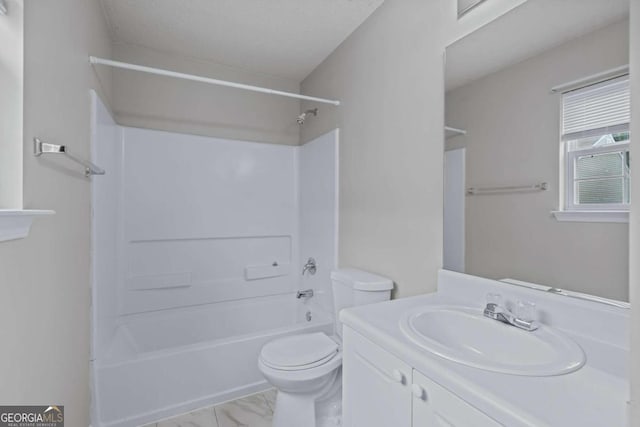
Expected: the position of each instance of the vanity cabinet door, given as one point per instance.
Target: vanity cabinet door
(376, 385)
(435, 406)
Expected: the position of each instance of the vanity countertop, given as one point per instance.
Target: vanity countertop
(595, 395)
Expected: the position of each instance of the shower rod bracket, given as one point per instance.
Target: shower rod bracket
(40, 147)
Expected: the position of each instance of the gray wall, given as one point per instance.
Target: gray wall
(513, 126)
(389, 76)
(155, 102)
(44, 279)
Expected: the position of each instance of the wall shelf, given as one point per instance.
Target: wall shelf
(16, 223)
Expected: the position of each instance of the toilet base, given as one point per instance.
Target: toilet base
(294, 410)
(329, 411)
(322, 408)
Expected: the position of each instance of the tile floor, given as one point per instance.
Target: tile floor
(251, 411)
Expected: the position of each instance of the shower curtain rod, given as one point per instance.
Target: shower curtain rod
(167, 73)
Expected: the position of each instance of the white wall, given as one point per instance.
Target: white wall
(194, 212)
(512, 124)
(11, 78)
(318, 188)
(389, 76)
(200, 212)
(154, 102)
(44, 292)
(634, 234)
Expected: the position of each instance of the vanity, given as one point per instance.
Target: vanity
(441, 360)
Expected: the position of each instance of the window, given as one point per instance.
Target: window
(595, 133)
(466, 6)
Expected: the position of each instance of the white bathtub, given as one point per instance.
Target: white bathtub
(173, 361)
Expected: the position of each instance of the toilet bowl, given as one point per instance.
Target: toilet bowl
(307, 368)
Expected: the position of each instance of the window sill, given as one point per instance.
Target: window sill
(16, 223)
(592, 216)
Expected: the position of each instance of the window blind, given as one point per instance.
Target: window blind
(598, 109)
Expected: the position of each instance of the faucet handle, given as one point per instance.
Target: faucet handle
(526, 310)
(310, 266)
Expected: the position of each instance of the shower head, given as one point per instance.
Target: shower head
(302, 117)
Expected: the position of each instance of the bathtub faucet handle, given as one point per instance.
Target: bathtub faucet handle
(306, 294)
(310, 266)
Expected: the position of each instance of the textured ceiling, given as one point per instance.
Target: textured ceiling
(528, 30)
(286, 38)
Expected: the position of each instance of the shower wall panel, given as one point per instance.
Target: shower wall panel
(205, 220)
(318, 175)
(106, 149)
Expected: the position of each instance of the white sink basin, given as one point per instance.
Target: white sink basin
(464, 335)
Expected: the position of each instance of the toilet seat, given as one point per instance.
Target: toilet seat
(299, 352)
(301, 375)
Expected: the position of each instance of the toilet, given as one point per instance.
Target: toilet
(306, 368)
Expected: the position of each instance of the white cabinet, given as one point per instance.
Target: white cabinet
(435, 406)
(380, 390)
(376, 385)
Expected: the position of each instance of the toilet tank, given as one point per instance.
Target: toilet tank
(352, 287)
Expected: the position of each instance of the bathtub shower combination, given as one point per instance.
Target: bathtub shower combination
(198, 250)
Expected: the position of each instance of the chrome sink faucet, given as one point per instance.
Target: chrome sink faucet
(523, 319)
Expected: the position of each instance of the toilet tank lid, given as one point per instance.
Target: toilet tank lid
(361, 280)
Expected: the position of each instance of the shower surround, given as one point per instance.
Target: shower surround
(198, 247)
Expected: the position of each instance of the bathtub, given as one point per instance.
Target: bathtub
(168, 362)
